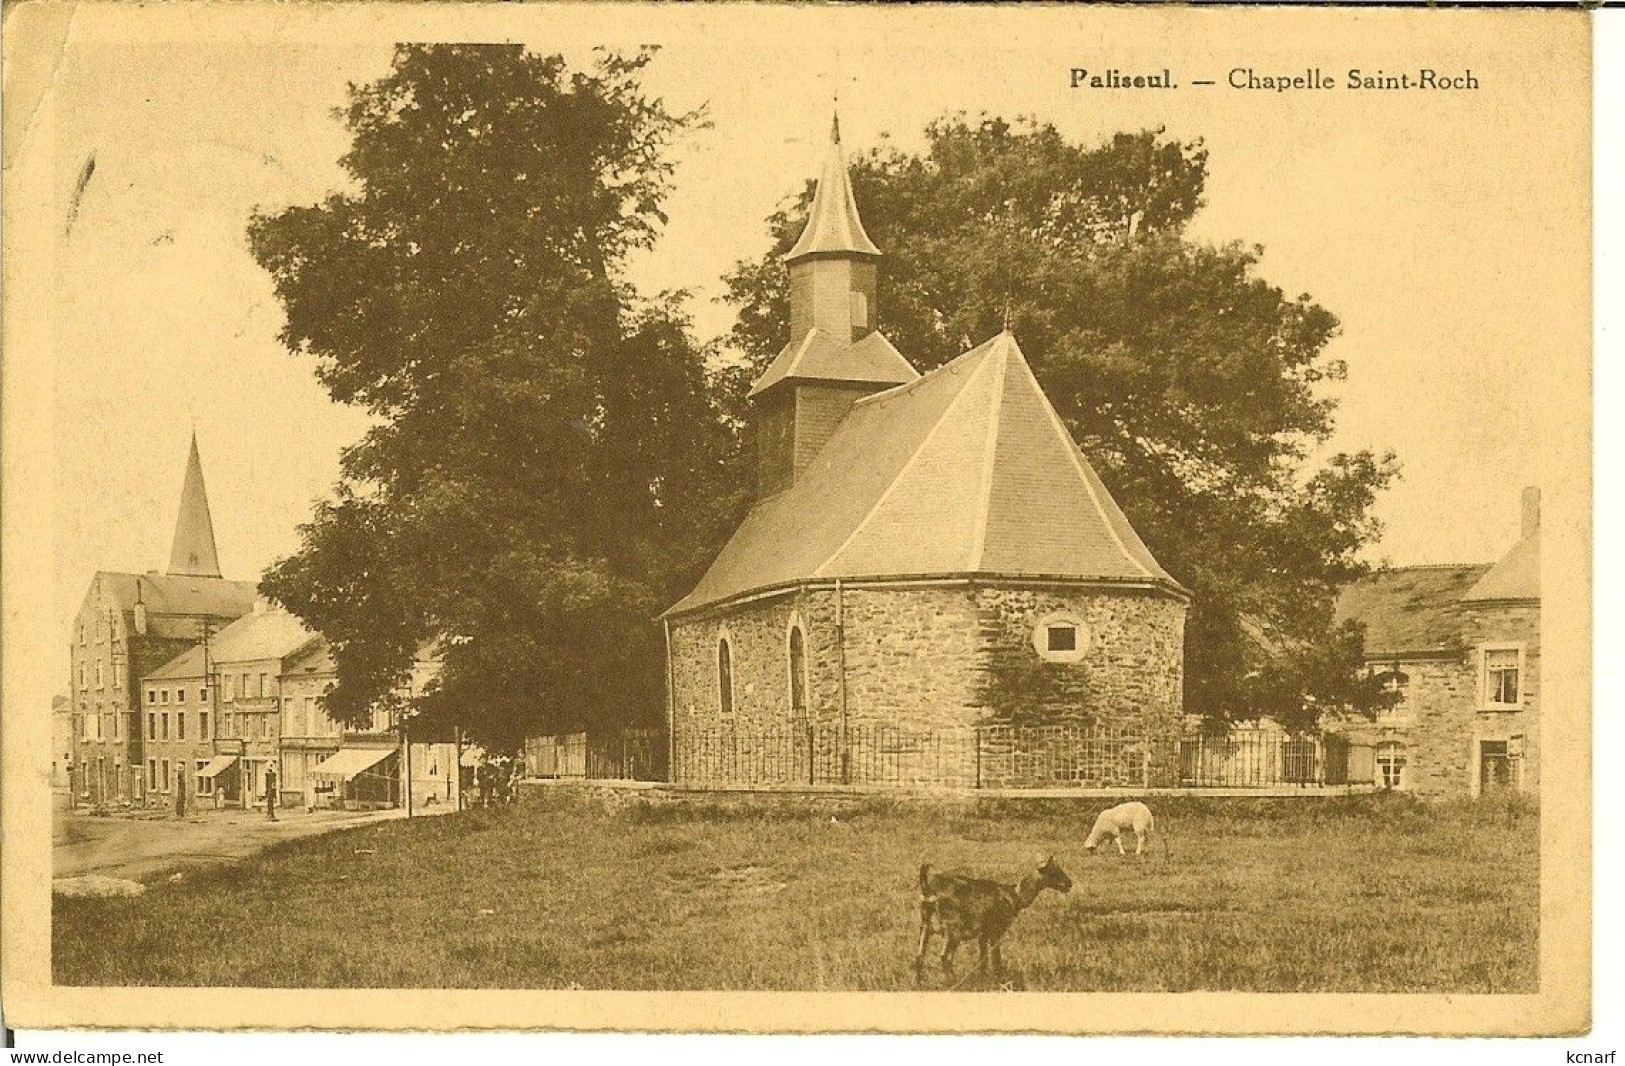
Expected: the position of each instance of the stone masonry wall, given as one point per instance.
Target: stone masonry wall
(1504, 624)
(920, 663)
(1444, 719)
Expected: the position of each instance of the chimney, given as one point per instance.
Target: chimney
(1531, 511)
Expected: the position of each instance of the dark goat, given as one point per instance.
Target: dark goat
(969, 908)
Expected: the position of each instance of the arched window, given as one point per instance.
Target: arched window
(798, 674)
(725, 676)
(1391, 765)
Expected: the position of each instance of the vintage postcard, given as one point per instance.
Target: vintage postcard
(797, 518)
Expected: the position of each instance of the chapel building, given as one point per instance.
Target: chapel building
(931, 568)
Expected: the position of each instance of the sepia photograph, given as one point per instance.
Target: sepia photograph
(577, 516)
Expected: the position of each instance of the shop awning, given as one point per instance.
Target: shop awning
(349, 762)
(218, 765)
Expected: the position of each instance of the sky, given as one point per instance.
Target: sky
(1444, 230)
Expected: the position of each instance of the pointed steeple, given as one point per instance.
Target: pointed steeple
(834, 353)
(833, 225)
(193, 553)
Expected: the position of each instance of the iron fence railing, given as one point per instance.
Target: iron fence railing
(1063, 755)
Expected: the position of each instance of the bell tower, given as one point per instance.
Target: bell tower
(832, 266)
(835, 356)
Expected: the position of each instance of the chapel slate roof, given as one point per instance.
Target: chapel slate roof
(1409, 609)
(966, 470)
(1515, 577)
(820, 357)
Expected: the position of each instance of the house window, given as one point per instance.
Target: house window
(98, 673)
(167, 782)
(725, 676)
(1397, 682)
(798, 674)
(205, 785)
(152, 726)
(265, 685)
(163, 695)
(180, 695)
(1060, 637)
(242, 693)
(203, 725)
(203, 695)
(163, 726)
(1502, 670)
(180, 725)
(1496, 770)
(152, 775)
(152, 695)
(1391, 765)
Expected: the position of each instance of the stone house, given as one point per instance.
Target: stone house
(129, 625)
(925, 554)
(1461, 644)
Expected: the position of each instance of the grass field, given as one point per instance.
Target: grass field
(1353, 894)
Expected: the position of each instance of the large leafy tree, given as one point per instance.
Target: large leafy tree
(543, 473)
(1192, 383)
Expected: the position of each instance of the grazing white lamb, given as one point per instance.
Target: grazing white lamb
(1115, 821)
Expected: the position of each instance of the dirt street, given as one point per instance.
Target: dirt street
(141, 848)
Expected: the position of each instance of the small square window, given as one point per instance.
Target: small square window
(1060, 637)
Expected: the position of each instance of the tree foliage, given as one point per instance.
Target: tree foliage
(543, 474)
(1194, 386)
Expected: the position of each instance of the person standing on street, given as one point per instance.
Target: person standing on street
(270, 792)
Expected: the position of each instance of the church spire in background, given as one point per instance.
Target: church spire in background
(193, 553)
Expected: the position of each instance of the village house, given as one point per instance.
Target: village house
(1461, 645)
(324, 764)
(212, 710)
(925, 554)
(179, 730)
(225, 712)
(129, 625)
(61, 740)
